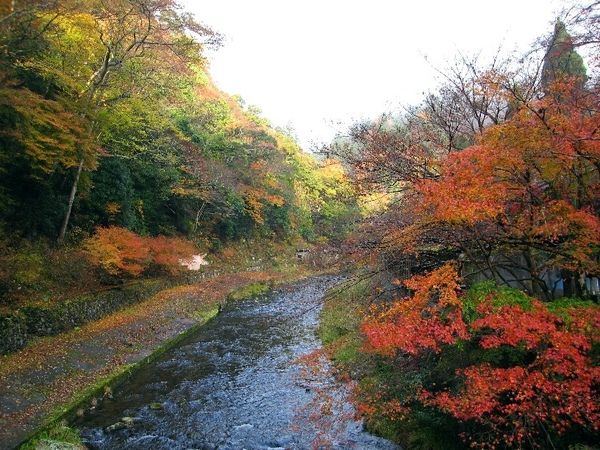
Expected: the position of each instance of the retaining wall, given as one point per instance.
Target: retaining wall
(18, 327)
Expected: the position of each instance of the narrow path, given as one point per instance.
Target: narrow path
(53, 371)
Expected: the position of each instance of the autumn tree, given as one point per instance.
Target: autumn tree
(517, 207)
(389, 155)
(541, 213)
(119, 252)
(148, 32)
(386, 160)
(95, 55)
(511, 371)
(396, 153)
(471, 97)
(41, 129)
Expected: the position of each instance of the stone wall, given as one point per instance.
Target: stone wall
(18, 327)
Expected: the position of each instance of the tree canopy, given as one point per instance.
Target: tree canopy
(109, 117)
(488, 220)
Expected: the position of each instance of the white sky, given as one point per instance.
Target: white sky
(315, 63)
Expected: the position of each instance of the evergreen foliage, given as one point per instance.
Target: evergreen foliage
(561, 59)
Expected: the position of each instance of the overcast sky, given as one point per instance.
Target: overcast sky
(314, 63)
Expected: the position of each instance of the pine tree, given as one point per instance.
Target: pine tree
(562, 60)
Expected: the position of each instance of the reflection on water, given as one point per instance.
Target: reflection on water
(232, 385)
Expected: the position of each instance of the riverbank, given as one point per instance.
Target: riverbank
(49, 376)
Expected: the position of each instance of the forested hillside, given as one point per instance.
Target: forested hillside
(117, 150)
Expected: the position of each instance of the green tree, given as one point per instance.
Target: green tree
(130, 42)
(561, 59)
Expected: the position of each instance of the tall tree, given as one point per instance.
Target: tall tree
(470, 99)
(561, 59)
(130, 37)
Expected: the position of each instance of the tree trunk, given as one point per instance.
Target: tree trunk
(198, 214)
(538, 287)
(63, 228)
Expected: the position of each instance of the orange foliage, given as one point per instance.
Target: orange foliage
(527, 190)
(119, 251)
(523, 201)
(167, 252)
(256, 200)
(48, 131)
(550, 385)
(254, 207)
(557, 391)
(462, 194)
(426, 321)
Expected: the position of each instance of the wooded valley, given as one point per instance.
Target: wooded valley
(471, 221)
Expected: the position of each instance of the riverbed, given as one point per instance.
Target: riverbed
(236, 384)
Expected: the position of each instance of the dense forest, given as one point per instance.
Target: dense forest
(119, 156)
(471, 221)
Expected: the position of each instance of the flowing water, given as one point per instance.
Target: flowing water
(235, 384)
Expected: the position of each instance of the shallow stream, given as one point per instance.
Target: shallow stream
(235, 384)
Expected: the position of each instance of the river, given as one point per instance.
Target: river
(235, 384)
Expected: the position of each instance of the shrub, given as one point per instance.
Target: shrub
(508, 369)
(120, 252)
(117, 251)
(166, 253)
